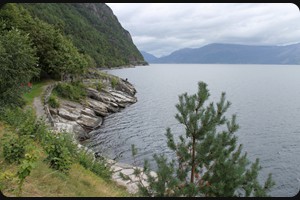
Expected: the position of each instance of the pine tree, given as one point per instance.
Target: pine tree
(208, 161)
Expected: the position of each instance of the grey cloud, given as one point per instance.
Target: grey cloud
(163, 28)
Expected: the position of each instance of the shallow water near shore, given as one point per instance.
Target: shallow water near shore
(266, 99)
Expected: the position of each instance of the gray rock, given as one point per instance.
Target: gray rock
(64, 127)
(88, 121)
(53, 111)
(67, 115)
(126, 87)
(88, 112)
(122, 97)
(98, 107)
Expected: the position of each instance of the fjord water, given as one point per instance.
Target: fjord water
(266, 99)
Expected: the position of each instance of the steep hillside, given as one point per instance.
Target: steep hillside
(94, 30)
(235, 54)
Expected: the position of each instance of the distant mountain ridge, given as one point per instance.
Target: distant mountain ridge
(218, 53)
(148, 57)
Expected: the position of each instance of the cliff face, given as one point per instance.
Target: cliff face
(94, 29)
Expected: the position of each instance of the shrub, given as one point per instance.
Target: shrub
(74, 92)
(53, 102)
(98, 167)
(22, 120)
(114, 81)
(41, 131)
(59, 156)
(13, 148)
(25, 168)
(99, 86)
(27, 126)
(13, 116)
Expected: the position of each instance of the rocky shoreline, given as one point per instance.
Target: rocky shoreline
(82, 118)
(79, 119)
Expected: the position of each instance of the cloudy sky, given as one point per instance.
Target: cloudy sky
(161, 28)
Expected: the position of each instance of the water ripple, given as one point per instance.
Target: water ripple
(269, 123)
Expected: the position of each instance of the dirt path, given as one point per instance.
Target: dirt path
(39, 106)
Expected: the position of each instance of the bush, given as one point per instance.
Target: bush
(14, 116)
(22, 120)
(59, 156)
(73, 92)
(41, 131)
(14, 148)
(96, 166)
(53, 102)
(25, 168)
(99, 86)
(99, 167)
(27, 126)
(114, 81)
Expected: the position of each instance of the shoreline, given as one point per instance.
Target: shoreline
(123, 67)
(69, 126)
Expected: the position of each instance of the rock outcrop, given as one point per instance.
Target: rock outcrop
(78, 119)
(81, 118)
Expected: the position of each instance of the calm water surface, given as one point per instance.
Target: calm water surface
(266, 99)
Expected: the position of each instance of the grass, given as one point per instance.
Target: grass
(46, 182)
(36, 90)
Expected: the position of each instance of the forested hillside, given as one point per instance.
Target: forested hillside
(58, 41)
(94, 30)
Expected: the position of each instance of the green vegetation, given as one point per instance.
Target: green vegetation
(35, 46)
(93, 29)
(58, 41)
(208, 160)
(72, 91)
(50, 163)
(114, 81)
(53, 101)
(25, 168)
(99, 168)
(59, 156)
(99, 86)
(57, 56)
(13, 149)
(18, 65)
(35, 91)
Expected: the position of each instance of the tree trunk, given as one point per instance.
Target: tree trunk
(193, 161)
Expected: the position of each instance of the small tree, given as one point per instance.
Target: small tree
(208, 160)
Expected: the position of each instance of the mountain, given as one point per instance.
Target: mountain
(93, 28)
(148, 57)
(235, 54)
